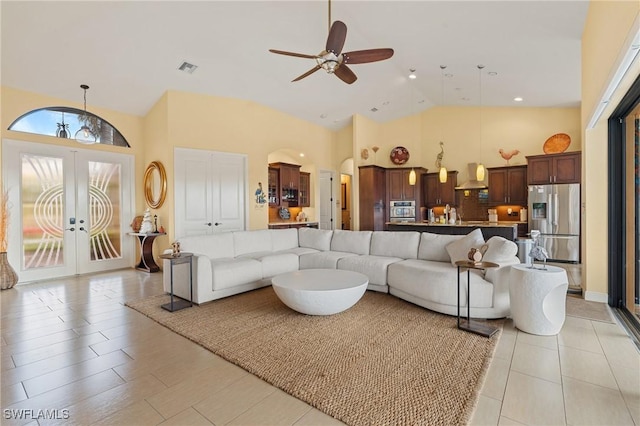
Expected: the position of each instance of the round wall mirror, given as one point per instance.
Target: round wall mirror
(155, 184)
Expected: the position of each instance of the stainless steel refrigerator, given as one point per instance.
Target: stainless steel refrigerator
(554, 210)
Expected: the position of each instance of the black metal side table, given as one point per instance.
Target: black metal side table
(468, 325)
(177, 260)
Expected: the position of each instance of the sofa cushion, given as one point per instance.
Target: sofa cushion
(374, 267)
(278, 263)
(252, 241)
(357, 242)
(213, 246)
(500, 250)
(434, 246)
(322, 259)
(319, 239)
(395, 244)
(459, 250)
(438, 282)
(226, 273)
(284, 239)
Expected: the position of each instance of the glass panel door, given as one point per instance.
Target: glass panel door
(44, 203)
(71, 209)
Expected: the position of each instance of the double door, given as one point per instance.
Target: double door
(210, 192)
(70, 209)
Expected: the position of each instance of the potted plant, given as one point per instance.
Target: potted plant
(8, 276)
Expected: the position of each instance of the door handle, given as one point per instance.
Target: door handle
(71, 229)
(217, 223)
(82, 228)
(208, 223)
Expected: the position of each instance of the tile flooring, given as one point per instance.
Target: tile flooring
(69, 347)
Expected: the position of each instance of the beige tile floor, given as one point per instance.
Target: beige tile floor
(70, 345)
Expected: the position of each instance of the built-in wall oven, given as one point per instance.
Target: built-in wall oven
(402, 211)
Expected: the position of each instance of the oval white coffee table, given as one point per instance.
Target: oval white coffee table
(320, 291)
(538, 298)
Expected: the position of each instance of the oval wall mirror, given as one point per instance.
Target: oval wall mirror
(155, 184)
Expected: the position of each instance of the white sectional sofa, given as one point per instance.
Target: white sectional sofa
(417, 267)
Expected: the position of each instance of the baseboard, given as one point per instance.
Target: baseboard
(594, 296)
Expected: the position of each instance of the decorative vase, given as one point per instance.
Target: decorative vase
(8, 276)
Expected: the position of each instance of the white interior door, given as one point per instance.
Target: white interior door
(327, 201)
(210, 190)
(69, 209)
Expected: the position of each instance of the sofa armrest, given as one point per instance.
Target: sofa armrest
(499, 276)
(202, 276)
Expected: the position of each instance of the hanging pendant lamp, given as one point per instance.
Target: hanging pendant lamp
(412, 177)
(85, 135)
(442, 177)
(480, 169)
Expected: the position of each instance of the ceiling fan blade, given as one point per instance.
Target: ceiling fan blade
(336, 38)
(298, 55)
(345, 74)
(365, 56)
(308, 73)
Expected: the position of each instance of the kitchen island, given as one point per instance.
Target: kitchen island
(508, 230)
(292, 224)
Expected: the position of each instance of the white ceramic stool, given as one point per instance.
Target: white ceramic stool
(538, 298)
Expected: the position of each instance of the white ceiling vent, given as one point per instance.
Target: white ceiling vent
(187, 67)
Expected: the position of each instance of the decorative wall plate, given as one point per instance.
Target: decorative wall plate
(284, 213)
(399, 155)
(557, 143)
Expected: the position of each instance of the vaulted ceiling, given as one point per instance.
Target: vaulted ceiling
(129, 53)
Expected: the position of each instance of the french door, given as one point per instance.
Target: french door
(69, 209)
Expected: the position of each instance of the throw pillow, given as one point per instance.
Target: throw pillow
(458, 250)
(500, 250)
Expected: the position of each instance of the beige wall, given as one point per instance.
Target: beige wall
(608, 25)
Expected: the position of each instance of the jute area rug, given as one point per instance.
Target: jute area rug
(382, 362)
(578, 307)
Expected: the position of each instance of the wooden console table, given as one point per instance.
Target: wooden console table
(147, 263)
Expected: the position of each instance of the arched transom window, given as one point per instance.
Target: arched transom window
(71, 123)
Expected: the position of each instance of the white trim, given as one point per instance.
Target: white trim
(628, 54)
(594, 296)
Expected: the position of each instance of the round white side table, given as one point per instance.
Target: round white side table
(538, 298)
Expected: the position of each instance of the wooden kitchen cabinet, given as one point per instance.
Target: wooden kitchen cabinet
(439, 194)
(304, 200)
(398, 187)
(273, 187)
(289, 182)
(508, 185)
(554, 168)
(373, 204)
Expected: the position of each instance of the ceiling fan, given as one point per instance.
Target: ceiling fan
(333, 60)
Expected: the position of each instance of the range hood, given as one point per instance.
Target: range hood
(472, 183)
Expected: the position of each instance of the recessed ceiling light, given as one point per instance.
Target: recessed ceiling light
(302, 154)
(374, 109)
(412, 76)
(187, 67)
(492, 73)
(518, 99)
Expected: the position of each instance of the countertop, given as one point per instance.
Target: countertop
(464, 224)
(291, 222)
